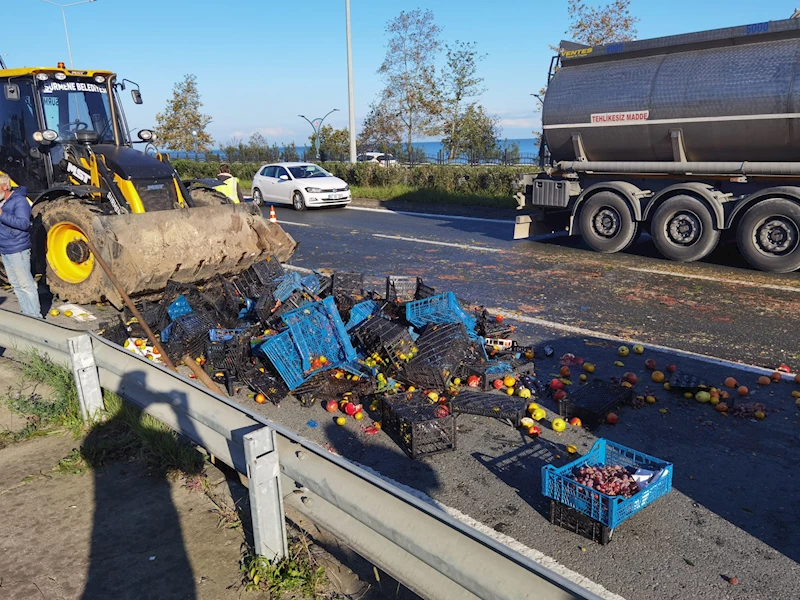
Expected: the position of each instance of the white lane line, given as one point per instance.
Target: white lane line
(451, 245)
(782, 288)
(534, 555)
(293, 223)
(435, 215)
(720, 362)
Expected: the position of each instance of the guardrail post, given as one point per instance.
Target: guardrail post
(266, 497)
(87, 381)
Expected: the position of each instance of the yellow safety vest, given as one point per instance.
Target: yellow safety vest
(230, 187)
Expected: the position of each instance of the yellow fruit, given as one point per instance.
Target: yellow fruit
(510, 391)
(127, 343)
(358, 416)
(759, 414)
(572, 449)
(433, 397)
(624, 351)
(657, 377)
(588, 367)
(509, 381)
(457, 381)
(198, 360)
(377, 425)
(714, 400)
(666, 386)
(55, 312)
(650, 399)
(583, 377)
(67, 313)
(341, 421)
(638, 349)
(619, 363)
(702, 397)
(529, 354)
(797, 402)
(559, 425)
(526, 422)
(796, 394)
(688, 395)
(539, 414)
(532, 407)
(411, 388)
(524, 393)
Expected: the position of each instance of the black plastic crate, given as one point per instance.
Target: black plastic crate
(231, 355)
(592, 402)
(267, 270)
(113, 330)
(343, 282)
(419, 426)
(447, 344)
(375, 332)
(263, 381)
(400, 288)
(425, 375)
(686, 382)
(225, 298)
(188, 335)
(499, 406)
(577, 522)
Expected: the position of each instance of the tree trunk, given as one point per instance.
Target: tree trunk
(410, 131)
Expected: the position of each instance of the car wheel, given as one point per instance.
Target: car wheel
(258, 199)
(298, 202)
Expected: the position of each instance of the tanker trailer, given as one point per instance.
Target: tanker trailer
(692, 138)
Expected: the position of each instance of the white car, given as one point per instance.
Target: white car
(377, 157)
(303, 185)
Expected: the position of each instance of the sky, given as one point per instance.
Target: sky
(260, 63)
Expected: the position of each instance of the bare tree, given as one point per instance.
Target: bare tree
(460, 87)
(409, 73)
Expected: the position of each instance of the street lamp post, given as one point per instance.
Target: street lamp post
(64, 16)
(350, 94)
(316, 125)
(194, 135)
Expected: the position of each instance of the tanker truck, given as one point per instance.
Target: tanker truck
(692, 138)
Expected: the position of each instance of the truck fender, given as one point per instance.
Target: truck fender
(626, 190)
(789, 192)
(79, 191)
(702, 191)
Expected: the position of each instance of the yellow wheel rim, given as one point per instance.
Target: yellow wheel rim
(59, 238)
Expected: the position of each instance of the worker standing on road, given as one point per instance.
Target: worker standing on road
(15, 246)
(231, 188)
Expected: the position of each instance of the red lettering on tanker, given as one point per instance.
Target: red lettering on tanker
(621, 117)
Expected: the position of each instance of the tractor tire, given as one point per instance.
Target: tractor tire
(69, 273)
(208, 197)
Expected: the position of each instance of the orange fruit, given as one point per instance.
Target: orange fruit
(797, 378)
(776, 376)
(565, 372)
(657, 377)
(261, 398)
(589, 368)
(764, 380)
(730, 382)
(723, 395)
(612, 418)
(575, 422)
(743, 391)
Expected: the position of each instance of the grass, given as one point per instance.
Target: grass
(298, 572)
(123, 431)
(407, 193)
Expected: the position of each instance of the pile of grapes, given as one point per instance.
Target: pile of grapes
(612, 481)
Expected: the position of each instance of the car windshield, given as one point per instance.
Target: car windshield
(308, 171)
(75, 105)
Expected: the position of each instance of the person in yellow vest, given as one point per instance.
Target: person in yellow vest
(231, 187)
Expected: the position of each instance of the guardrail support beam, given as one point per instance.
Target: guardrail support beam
(266, 496)
(84, 369)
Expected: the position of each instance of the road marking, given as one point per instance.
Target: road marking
(451, 245)
(515, 545)
(782, 288)
(720, 362)
(418, 214)
(293, 223)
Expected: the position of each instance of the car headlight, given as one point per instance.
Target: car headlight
(312, 190)
(347, 188)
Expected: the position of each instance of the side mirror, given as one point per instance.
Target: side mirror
(137, 96)
(284, 178)
(11, 91)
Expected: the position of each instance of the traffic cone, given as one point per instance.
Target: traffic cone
(272, 216)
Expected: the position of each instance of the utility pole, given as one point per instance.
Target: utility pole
(350, 93)
(64, 17)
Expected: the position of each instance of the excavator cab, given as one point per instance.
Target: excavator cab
(64, 136)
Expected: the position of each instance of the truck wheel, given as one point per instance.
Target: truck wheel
(606, 223)
(768, 235)
(683, 229)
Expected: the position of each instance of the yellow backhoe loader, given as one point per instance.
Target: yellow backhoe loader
(64, 136)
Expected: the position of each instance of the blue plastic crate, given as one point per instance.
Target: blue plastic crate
(314, 330)
(443, 308)
(223, 335)
(179, 308)
(361, 312)
(288, 286)
(311, 283)
(557, 483)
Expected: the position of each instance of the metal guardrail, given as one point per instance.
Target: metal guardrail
(433, 554)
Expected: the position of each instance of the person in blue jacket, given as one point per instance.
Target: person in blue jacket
(15, 246)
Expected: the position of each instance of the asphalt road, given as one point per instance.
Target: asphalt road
(733, 511)
(713, 307)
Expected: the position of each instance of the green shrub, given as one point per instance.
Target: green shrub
(454, 179)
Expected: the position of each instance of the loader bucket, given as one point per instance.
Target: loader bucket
(146, 250)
